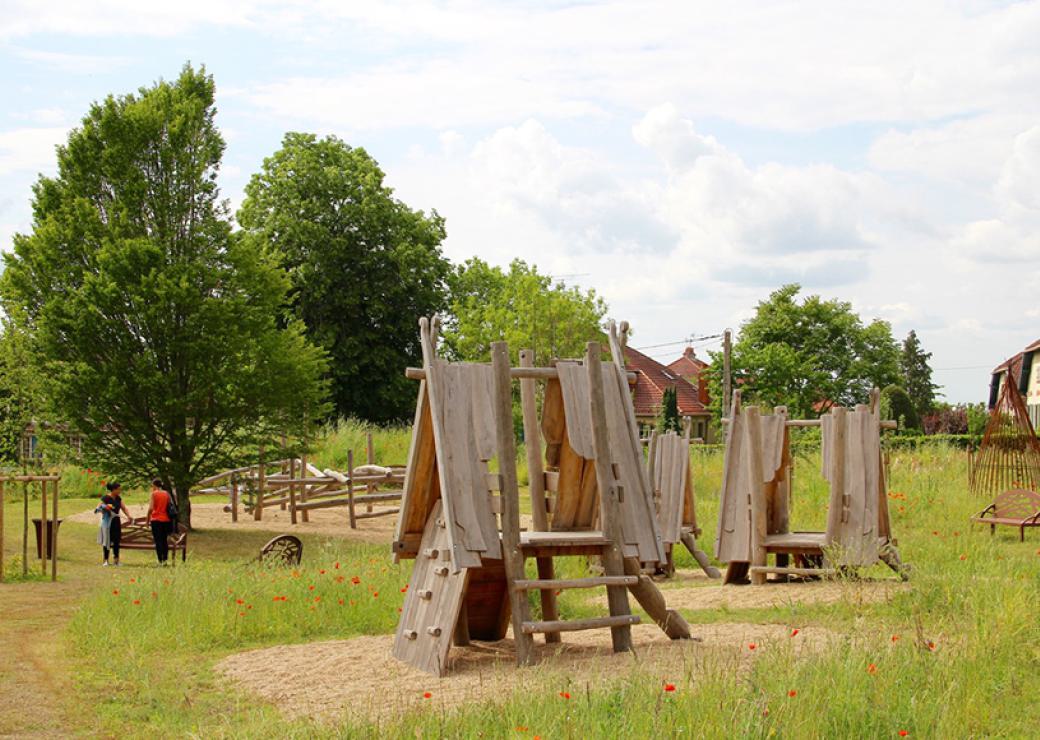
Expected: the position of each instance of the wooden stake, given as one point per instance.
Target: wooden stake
(258, 505)
(292, 490)
(1, 531)
(54, 534)
(43, 527)
(350, 489)
(370, 458)
(512, 556)
(304, 486)
(609, 500)
(234, 499)
(727, 380)
(753, 460)
(25, 529)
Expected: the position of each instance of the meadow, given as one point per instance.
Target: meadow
(132, 650)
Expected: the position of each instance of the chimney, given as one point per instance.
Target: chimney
(689, 354)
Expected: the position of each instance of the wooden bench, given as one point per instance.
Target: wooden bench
(1014, 508)
(138, 536)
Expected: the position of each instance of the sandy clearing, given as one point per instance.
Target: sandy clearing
(359, 679)
(782, 594)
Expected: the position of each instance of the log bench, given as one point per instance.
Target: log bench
(138, 536)
(1014, 508)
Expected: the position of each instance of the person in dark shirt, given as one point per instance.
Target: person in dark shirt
(111, 529)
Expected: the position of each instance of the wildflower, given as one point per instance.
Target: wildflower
(317, 599)
(931, 645)
(895, 638)
(137, 602)
(871, 669)
(792, 693)
(903, 733)
(935, 532)
(340, 579)
(521, 728)
(404, 589)
(956, 534)
(336, 566)
(241, 614)
(565, 694)
(355, 580)
(311, 587)
(155, 595)
(669, 687)
(133, 580)
(249, 606)
(794, 632)
(115, 592)
(751, 646)
(240, 602)
(426, 695)
(964, 556)
(399, 610)
(296, 574)
(321, 572)
(375, 594)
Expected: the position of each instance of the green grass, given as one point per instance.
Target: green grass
(147, 669)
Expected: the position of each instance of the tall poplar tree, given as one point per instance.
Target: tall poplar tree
(917, 374)
(157, 330)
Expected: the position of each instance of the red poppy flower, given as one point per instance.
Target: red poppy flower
(871, 669)
(155, 595)
(375, 594)
(321, 572)
(751, 646)
(336, 566)
(240, 601)
(963, 556)
(355, 580)
(521, 728)
(931, 645)
(241, 614)
(137, 602)
(426, 695)
(903, 733)
(792, 693)
(669, 687)
(404, 589)
(341, 602)
(565, 694)
(794, 632)
(895, 638)
(115, 592)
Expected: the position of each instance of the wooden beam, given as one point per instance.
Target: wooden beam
(564, 583)
(624, 621)
(533, 373)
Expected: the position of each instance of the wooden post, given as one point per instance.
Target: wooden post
(292, 490)
(25, 529)
(258, 505)
(370, 458)
(609, 499)
(54, 533)
(304, 487)
(1, 531)
(350, 489)
(234, 498)
(837, 474)
(753, 460)
(509, 488)
(727, 381)
(43, 527)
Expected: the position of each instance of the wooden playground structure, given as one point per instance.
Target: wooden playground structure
(590, 496)
(754, 510)
(668, 461)
(295, 485)
(48, 534)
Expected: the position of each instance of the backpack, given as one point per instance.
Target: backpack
(171, 508)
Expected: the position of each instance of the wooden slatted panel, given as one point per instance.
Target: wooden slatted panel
(671, 469)
(421, 489)
(733, 536)
(435, 594)
(553, 422)
(575, 389)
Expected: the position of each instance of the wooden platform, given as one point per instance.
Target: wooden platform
(552, 544)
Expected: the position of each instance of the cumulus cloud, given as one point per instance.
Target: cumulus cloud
(30, 149)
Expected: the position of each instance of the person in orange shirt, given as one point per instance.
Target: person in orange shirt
(159, 518)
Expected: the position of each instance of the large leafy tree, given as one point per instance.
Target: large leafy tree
(157, 329)
(809, 354)
(521, 306)
(364, 266)
(917, 374)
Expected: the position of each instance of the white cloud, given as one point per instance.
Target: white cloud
(28, 149)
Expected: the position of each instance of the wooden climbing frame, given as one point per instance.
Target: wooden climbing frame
(48, 527)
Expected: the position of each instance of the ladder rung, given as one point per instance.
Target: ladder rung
(563, 583)
(592, 623)
(822, 572)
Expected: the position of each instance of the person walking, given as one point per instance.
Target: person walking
(111, 531)
(161, 515)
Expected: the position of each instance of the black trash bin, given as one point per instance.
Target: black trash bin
(51, 526)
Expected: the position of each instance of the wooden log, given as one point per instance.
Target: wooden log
(610, 503)
(374, 514)
(54, 533)
(258, 508)
(533, 373)
(686, 537)
(533, 445)
(43, 527)
(29, 478)
(25, 527)
(352, 512)
(652, 600)
(550, 609)
(565, 583)
(753, 460)
(621, 621)
(302, 467)
(885, 423)
(234, 499)
(370, 458)
(292, 491)
(512, 557)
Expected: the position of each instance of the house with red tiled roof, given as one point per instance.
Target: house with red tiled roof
(689, 367)
(1024, 370)
(652, 378)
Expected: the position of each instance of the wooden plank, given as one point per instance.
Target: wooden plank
(512, 557)
(822, 572)
(833, 443)
(563, 539)
(550, 609)
(733, 536)
(575, 388)
(566, 583)
(54, 532)
(756, 491)
(610, 505)
(652, 600)
(1, 531)
(533, 373)
(613, 622)
(351, 503)
(533, 446)
(553, 422)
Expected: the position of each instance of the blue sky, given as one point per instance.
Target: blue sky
(682, 158)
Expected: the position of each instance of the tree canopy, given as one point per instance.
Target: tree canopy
(668, 419)
(917, 374)
(809, 355)
(364, 266)
(157, 330)
(521, 306)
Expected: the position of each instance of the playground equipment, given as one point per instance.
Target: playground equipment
(1009, 456)
(48, 533)
(296, 485)
(756, 488)
(668, 460)
(462, 523)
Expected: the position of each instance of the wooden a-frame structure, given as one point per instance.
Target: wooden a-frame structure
(590, 496)
(1009, 456)
(754, 510)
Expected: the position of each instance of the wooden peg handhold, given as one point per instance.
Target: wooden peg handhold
(435, 631)
(410, 634)
(441, 571)
(431, 552)
(425, 594)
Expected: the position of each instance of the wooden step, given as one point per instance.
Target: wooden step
(778, 570)
(580, 624)
(562, 539)
(555, 584)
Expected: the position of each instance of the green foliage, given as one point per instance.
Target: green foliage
(917, 374)
(156, 330)
(896, 404)
(668, 416)
(364, 267)
(801, 355)
(522, 307)
(978, 417)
